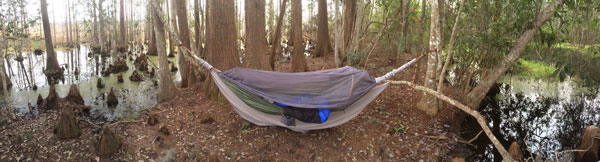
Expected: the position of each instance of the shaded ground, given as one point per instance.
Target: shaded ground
(390, 129)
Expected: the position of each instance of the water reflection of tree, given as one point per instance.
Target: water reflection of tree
(549, 123)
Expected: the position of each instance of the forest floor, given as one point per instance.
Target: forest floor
(391, 128)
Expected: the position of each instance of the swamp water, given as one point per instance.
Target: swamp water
(133, 96)
(543, 116)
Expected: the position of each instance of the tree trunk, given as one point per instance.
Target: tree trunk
(323, 40)
(94, 25)
(406, 26)
(222, 46)
(102, 32)
(76, 30)
(52, 71)
(54, 23)
(123, 41)
(277, 38)
(349, 19)
(338, 36)
(428, 103)
(298, 60)
(256, 41)
(422, 28)
(474, 97)
(171, 41)
(152, 48)
(450, 48)
(67, 24)
(184, 35)
(166, 90)
(197, 26)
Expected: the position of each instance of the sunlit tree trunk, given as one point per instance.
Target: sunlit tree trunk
(298, 60)
(323, 40)
(166, 89)
(184, 35)
(428, 103)
(52, 71)
(169, 17)
(222, 49)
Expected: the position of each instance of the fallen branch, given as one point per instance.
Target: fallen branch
(505, 155)
(469, 142)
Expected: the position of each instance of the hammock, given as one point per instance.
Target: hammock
(252, 93)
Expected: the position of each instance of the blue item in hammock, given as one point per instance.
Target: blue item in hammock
(323, 113)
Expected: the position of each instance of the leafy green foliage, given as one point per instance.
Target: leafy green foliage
(354, 57)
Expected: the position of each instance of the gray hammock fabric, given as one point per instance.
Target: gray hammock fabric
(331, 89)
(257, 117)
(355, 89)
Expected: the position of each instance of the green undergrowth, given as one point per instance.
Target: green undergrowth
(533, 69)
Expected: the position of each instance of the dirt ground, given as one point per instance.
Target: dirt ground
(391, 128)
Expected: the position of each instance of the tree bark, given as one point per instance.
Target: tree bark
(197, 26)
(349, 19)
(277, 38)
(5, 83)
(428, 103)
(122, 25)
(474, 97)
(222, 45)
(68, 22)
(52, 71)
(450, 48)
(170, 20)
(298, 60)
(256, 41)
(406, 25)
(152, 49)
(102, 32)
(337, 49)
(323, 41)
(54, 23)
(166, 90)
(184, 35)
(94, 25)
